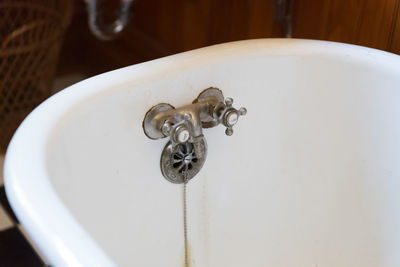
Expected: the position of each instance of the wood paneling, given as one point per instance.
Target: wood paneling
(395, 37)
(159, 28)
(181, 25)
(366, 23)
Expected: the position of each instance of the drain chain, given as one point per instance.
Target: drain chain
(185, 218)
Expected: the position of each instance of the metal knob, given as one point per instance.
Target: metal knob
(179, 133)
(230, 116)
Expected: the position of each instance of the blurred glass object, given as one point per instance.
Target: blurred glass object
(102, 30)
(283, 12)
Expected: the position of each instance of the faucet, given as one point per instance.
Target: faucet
(185, 153)
(186, 123)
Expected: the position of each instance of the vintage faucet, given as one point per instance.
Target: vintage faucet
(184, 125)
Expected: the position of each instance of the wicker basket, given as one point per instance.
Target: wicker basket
(30, 38)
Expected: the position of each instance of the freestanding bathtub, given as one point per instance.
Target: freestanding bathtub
(310, 178)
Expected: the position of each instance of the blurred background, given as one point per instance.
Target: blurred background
(47, 45)
(159, 28)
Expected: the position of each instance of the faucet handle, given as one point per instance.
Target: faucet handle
(180, 132)
(230, 116)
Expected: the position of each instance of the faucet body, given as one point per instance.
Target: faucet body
(186, 123)
(191, 115)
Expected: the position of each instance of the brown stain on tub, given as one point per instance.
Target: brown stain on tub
(189, 257)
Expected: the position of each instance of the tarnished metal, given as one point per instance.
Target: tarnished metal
(182, 160)
(184, 126)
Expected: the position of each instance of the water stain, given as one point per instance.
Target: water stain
(189, 257)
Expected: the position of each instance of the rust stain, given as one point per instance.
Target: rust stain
(189, 257)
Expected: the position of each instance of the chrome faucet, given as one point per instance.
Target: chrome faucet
(184, 126)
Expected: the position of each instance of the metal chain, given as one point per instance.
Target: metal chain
(185, 218)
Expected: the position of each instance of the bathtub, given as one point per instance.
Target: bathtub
(311, 176)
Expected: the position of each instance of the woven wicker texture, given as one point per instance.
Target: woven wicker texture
(30, 38)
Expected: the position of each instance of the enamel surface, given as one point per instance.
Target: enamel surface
(310, 177)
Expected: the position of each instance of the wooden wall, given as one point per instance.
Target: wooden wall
(163, 27)
(395, 36)
(366, 22)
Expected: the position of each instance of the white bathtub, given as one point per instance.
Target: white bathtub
(310, 178)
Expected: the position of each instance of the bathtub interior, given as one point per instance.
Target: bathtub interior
(309, 178)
